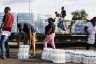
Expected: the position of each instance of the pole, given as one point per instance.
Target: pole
(29, 6)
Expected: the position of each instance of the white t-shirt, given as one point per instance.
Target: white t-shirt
(56, 20)
(91, 29)
(7, 33)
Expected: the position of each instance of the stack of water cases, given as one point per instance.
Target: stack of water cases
(78, 27)
(54, 55)
(67, 56)
(23, 52)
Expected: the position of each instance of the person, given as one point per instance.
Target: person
(57, 14)
(63, 12)
(90, 31)
(57, 17)
(6, 27)
(49, 33)
(30, 31)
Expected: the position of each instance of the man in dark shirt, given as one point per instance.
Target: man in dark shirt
(49, 33)
(30, 31)
(63, 12)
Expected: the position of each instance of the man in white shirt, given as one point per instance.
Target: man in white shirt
(90, 31)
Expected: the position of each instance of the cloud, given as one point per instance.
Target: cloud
(21, 1)
(50, 6)
(8, 2)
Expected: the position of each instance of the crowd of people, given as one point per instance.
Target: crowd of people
(54, 25)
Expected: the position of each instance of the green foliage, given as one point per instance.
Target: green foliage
(79, 15)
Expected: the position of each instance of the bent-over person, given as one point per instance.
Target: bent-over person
(31, 33)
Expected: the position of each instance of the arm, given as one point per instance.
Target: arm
(30, 35)
(19, 30)
(19, 35)
(85, 29)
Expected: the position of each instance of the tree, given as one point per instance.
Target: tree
(79, 15)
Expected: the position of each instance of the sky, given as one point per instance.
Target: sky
(50, 6)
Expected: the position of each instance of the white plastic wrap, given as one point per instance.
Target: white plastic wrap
(58, 56)
(23, 52)
(77, 57)
(89, 57)
(68, 54)
(47, 53)
(78, 27)
(91, 39)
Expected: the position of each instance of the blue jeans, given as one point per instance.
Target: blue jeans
(4, 45)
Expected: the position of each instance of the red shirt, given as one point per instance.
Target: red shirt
(8, 19)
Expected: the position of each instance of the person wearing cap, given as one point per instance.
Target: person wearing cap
(49, 33)
(29, 30)
(90, 31)
(6, 27)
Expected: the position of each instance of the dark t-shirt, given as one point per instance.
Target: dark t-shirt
(26, 27)
(49, 29)
(63, 13)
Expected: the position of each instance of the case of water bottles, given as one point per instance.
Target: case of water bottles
(68, 54)
(78, 27)
(46, 54)
(54, 55)
(74, 56)
(58, 56)
(91, 39)
(89, 57)
(77, 56)
(23, 52)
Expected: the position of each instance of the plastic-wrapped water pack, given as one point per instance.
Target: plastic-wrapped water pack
(46, 54)
(58, 56)
(77, 56)
(89, 57)
(23, 52)
(68, 54)
(91, 39)
(78, 27)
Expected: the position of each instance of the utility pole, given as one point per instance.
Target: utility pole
(29, 6)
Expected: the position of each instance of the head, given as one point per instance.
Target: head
(62, 8)
(20, 26)
(50, 20)
(93, 20)
(7, 9)
(56, 12)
